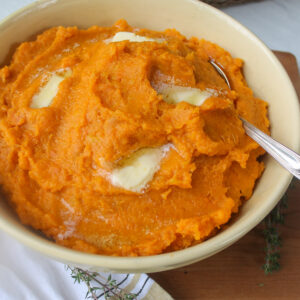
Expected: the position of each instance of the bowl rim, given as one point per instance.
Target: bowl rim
(166, 260)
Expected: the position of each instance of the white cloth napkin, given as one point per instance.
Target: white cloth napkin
(28, 275)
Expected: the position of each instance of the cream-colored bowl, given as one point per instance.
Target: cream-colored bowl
(263, 72)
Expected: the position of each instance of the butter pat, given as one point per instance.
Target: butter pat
(47, 93)
(130, 36)
(176, 94)
(138, 170)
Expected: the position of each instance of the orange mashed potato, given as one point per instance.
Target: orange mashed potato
(54, 159)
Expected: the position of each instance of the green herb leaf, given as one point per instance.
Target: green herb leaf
(272, 236)
(95, 287)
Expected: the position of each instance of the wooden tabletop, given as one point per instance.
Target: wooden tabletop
(236, 273)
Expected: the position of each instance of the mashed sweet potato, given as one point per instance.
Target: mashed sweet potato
(54, 160)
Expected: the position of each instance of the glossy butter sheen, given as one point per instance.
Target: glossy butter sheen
(48, 92)
(130, 36)
(138, 170)
(177, 94)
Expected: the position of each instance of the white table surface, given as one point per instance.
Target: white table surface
(25, 274)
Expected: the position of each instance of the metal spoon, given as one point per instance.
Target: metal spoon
(285, 156)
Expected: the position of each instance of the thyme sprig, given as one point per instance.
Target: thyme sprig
(272, 235)
(98, 287)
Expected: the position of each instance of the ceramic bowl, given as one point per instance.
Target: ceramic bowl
(263, 72)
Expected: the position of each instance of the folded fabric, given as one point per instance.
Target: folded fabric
(28, 275)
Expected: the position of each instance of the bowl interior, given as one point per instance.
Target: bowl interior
(262, 70)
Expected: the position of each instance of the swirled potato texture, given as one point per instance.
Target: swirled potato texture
(126, 141)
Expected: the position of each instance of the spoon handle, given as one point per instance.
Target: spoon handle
(285, 156)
